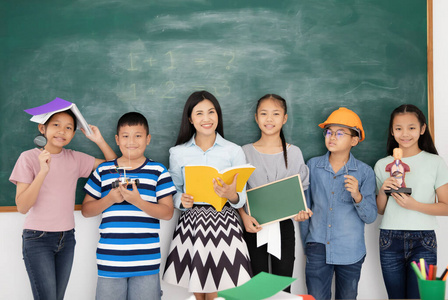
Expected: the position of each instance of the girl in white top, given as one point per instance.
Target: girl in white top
(407, 228)
(274, 159)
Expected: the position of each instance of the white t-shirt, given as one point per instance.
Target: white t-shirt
(427, 173)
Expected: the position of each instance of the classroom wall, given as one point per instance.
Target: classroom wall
(14, 281)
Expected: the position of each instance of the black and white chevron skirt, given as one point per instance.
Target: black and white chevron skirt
(208, 252)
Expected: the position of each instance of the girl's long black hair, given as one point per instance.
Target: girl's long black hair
(282, 103)
(425, 141)
(187, 129)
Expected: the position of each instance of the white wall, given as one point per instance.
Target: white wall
(14, 280)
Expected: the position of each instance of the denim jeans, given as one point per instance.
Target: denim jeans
(48, 260)
(131, 288)
(319, 275)
(397, 250)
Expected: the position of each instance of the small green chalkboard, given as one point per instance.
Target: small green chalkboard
(276, 201)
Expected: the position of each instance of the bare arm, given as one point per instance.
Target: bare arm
(381, 198)
(162, 210)
(439, 208)
(98, 139)
(250, 223)
(92, 207)
(226, 191)
(26, 194)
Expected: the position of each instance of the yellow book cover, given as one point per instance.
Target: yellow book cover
(199, 182)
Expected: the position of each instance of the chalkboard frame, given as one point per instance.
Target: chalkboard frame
(430, 85)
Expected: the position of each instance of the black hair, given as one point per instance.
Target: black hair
(425, 141)
(68, 112)
(132, 119)
(282, 103)
(187, 129)
(354, 133)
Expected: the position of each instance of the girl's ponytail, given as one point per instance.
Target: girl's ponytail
(285, 151)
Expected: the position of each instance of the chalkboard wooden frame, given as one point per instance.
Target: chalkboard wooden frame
(430, 95)
(289, 200)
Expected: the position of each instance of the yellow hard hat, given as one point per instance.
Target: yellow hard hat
(347, 118)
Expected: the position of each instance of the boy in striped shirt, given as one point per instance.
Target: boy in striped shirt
(128, 253)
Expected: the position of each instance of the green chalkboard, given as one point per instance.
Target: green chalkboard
(115, 56)
(276, 201)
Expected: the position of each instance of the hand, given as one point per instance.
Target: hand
(351, 185)
(405, 200)
(250, 224)
(226, 191)
(303, 215)
(96, 136)
(390, 183)
(44, 161)
(187, 200)
(115, 195)
(131, 196)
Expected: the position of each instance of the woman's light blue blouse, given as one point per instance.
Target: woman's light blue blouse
(223, 154)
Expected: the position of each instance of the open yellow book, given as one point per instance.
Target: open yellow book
(199, 182)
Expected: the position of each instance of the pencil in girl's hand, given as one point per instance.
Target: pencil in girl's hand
(416, 270)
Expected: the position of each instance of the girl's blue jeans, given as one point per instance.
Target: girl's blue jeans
(48, 260)
(398, 249)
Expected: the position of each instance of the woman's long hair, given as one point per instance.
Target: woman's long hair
(187, 129)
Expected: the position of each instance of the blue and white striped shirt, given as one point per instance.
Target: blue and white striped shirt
(129, 244)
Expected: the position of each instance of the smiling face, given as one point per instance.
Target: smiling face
(204, 118)
(406, 130)
(270, 117)
(132, 141)
(59, 131)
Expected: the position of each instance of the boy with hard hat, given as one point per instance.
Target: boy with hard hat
(341, 197)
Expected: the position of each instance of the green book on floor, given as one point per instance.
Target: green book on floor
(261, 286)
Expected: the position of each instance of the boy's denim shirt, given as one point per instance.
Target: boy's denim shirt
(338, 221)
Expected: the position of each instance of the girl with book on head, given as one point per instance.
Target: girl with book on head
(46, 183)
(207, 253)
(274, 159)
(407, 228)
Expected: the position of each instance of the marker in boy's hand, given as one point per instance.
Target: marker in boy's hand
(351, 185)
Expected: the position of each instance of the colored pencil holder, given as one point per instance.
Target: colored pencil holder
(431, 289)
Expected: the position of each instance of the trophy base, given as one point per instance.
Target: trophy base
(405, 190)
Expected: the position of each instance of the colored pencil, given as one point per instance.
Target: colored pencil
(422, 268)
(416, 270)
(430, 272)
